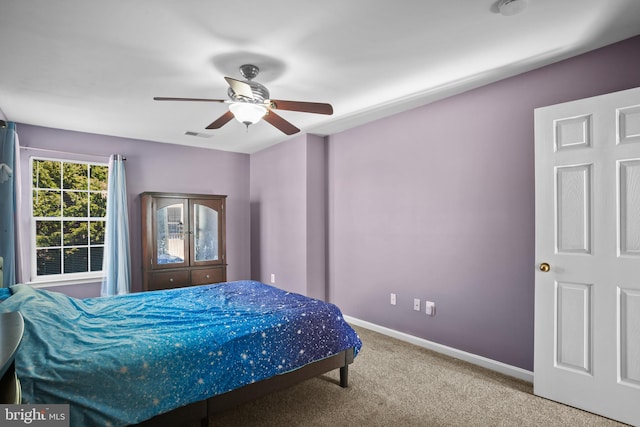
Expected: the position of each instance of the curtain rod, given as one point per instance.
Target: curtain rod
(46, 150)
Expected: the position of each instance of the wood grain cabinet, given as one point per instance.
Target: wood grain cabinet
(183, 240)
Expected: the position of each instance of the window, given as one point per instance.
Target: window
(68, 210)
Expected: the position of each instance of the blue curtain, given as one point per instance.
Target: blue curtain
(116, 265)
(8, 141)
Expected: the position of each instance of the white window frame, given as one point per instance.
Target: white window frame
(62, 278)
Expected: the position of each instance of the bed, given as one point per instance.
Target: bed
(159, 357)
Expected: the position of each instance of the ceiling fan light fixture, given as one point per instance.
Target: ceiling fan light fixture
(511, 7)
(249, 102)
(247, 113)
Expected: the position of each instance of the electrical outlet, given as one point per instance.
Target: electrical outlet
(416, 304)
(273, 278)
(393, 299)
(430, 308)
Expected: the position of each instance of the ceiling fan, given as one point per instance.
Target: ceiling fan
(249, 102)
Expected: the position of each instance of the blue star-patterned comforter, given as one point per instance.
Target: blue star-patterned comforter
(120, 360)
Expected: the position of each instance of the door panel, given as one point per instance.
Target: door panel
(574, 351)
(587, 304)
(573, 212)
(629, 124)
(630, 337)
(629, 207)
(573, 132)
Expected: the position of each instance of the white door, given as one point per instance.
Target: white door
(587, 305)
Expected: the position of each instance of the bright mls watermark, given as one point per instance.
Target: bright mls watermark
(34, 415)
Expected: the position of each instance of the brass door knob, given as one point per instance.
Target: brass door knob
(544, 267)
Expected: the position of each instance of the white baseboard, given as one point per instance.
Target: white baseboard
(494, 365)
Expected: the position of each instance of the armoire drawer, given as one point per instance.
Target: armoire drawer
(206, 276)
(168, 279)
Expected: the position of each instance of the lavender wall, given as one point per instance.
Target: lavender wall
(153, 166)
(316, 217)
(288, 215)
(438, 203)
(435, 203)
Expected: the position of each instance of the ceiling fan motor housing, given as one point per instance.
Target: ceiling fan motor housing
(260, 93)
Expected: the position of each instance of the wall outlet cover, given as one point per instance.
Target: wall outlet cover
(430, 308)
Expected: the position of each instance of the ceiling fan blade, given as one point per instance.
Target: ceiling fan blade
(280, 123)
(305, 107)
(221, 121)
(166, 98)
(240, 88)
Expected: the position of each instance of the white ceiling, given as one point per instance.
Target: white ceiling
(94, 66)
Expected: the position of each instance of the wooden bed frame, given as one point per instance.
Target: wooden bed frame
(200, 411)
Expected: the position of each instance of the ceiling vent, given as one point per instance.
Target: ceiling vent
(198, 134)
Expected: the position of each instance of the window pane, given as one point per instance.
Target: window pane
(46, 203)
(98, 208)
(75, 176)
(96, 258)
(48, 261)
(76, 260)
(98, 175)
(75, 204)
(76, 233)
(48, 233)
(96, 235)
(46, 174)
(73, 191)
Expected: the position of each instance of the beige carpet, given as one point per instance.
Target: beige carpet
(393, 383)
